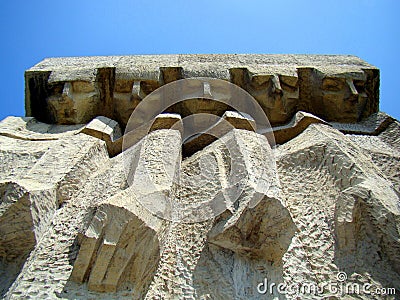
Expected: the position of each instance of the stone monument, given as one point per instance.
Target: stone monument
(200, 177)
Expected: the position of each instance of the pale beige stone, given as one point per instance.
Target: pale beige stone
(79, 219)
(103, 128)
(332, 209)
(297, 125)
(240, 120)
(28, 128)
(211, 128)
(75, 90)
(373, 125)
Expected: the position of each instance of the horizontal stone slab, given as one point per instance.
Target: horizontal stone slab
(74, 90)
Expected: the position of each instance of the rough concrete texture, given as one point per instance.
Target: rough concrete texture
(72, 226)
(82, 219)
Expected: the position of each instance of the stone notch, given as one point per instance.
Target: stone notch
(336, 88)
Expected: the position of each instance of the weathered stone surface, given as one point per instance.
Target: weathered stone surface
(240, 120)
(103, 128)
(297, 125)
(120, 248)
(44, 165)
(88, 213)
(107, 130)
(211, 128)
(373, 125)
(331, 208)
(75, 90)
(339, 206)
(213, 193)
(30, 129)
(257, 224)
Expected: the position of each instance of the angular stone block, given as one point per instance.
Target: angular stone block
(296, 126)
(75, 90)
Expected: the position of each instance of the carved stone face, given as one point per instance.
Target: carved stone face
(73, 102)
(277, 95)
(345, 97)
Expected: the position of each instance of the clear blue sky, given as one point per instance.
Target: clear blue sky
(33, 30)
